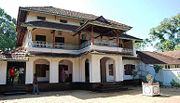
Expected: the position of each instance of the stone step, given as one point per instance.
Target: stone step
(15, 93)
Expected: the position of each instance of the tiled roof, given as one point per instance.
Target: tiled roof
(68, 13)
(156, 58)
(126, 36)
(51, 25)
(174, 54)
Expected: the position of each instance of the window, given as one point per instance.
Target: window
(111, 72)
(41, 18)
(41, 70)
(59, 39)
(40, 38)
(177, 66)
(63, 21)
(128, 69)
(167, 67)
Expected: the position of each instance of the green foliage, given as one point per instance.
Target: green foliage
(166, 36)
(174, 83)
(141, 45)
(7, 31)
(157, 68)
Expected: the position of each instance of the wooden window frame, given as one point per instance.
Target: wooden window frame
(63, 21)
(40, 36)
(41, 18)
(129, 68)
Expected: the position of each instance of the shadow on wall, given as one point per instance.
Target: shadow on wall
(165, 76)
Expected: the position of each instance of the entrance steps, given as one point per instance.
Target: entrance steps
(15, 90)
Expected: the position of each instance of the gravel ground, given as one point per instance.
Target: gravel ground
(134, 95)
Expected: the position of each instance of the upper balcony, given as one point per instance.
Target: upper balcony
(77, 41)
(104, 45)
(75, 45)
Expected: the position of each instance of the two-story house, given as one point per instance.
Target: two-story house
(63, 46)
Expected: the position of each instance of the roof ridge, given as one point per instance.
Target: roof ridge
(71, 13)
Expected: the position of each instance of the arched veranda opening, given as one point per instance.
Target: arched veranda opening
(107, 67)
(87, 66)
(41, 69)
(65, 71)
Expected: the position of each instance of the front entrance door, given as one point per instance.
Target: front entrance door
(110, 73)
(18, 70)
(64, 75)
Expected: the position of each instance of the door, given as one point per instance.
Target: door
(87, 71)
(64, 75)
(19, 69)
(110, 73)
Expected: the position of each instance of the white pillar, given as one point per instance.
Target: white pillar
(29, 72)
(76, 70)
(95, 74)
(54, 71)
(119, 72)
(28, 39)
(82, 70)
(3, 72)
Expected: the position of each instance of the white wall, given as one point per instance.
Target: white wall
(32, 16)
(53, 70)
(133, 62)
(95, 74)
(78, 68)
(3, 72)
(165, 75)
(108, 77)
(29, 71)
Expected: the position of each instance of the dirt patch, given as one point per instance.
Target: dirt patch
(133, 95)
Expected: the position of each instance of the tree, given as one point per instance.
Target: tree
(7, 31)
(141, 45)
(166, 36)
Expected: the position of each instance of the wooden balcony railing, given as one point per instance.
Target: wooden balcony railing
(105, 43)
(68, 46)
(42, 44)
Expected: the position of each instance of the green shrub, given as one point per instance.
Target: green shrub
(174, 83)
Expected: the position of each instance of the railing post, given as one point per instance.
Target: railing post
(117, 39)
(92, 36)
(134, 50)
(53, 32)
(79, 40)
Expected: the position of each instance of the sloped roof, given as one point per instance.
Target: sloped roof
(68, 13)
(51, 25)
(174, 54)
(156, 58)
(126, 36)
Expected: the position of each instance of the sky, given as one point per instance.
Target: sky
(142, 15)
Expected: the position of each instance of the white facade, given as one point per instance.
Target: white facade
(78, 67)
(132, 62)
(77, 64)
